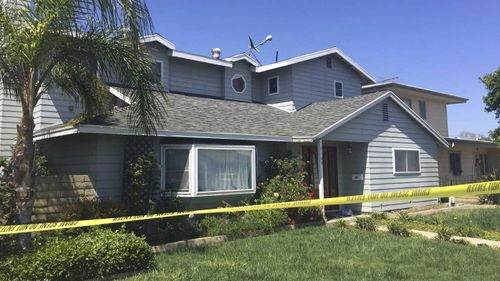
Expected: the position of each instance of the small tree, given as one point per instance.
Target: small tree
(492, 99)
(72, 45)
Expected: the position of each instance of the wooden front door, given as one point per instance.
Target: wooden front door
(330, 173)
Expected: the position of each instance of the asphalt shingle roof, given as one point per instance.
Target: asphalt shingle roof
(199, 114)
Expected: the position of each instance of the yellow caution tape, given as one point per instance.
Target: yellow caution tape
(421, 193)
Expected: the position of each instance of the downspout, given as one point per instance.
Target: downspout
(321, 186)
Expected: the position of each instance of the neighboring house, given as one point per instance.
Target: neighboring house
(226, 116)
(466, 160)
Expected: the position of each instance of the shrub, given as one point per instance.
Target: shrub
(404, 217)
(444, 233)
(140, 178)
(92, 209)
(92, 254)
(286, 183)
(341, 223)
(243, 224)
(6, 192)
(175, 228)
(490, 198)
(398, 229)
(379, 215)
(366, 223)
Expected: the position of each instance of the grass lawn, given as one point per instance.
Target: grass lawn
(329, 253)
(483, 223)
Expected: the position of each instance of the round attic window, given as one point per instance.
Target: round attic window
(238, 83)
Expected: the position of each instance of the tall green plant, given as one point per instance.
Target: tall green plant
(140, 180)
(72, 45)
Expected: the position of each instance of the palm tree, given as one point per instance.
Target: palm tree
(72, 45)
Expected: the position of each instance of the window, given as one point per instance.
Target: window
(157, 68)
(455, 163)
(406, 161)
(385, 112)
(273, 85)
(423, 109)
(197, 170)
(338, 89)
(328, 62)
(238, 83)
(407, 101)
(482, 163)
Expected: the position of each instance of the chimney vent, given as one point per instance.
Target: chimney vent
(216, 53)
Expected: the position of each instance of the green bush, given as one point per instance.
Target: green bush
(398, 229)
(491, 198)
(92, 209)
(175, 228)
(286, 183)
(366, 223)
(243, 224)
(444, 233)
(6, 192)
(379, 215)
(341, 223)
(468, 231)
(93, 254)
(404, 217)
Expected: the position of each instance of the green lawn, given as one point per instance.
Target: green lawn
(483, 223)
(329, 253)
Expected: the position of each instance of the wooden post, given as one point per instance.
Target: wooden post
(321, 186)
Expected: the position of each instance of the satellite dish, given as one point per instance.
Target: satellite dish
(256, 47)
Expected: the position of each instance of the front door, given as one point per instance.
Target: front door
(310, 155)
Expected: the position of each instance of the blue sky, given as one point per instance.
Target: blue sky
(441, 45)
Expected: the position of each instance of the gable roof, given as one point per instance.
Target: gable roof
(227, 62)
(201, 117)
(243, 56)
(450, 99)
(318, 54)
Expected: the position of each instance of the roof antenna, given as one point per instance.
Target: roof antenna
(387, 80)
(276, 58)
(252, 47)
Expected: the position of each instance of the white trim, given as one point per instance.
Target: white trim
(115, 92)
(198, 58)
(454, 98)
(161, 70)
(158, 38)
(245, 57)
(277, 85)
(98, 129)
(314, 55)
(193, 169)
(236, 76)
(335, 89)
(394, 149)
(366, 107)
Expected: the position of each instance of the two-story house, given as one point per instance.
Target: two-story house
(226, 116)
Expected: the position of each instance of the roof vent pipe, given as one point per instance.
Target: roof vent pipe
(216, 53)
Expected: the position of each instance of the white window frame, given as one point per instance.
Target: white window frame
(277, 85)
(335, 89)
(244, 80)
(407, 172)
(193, 169)
(161, 69)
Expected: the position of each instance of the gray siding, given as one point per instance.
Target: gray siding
(195, 78)
(10, 116)
(313, 81)
(242, 68)
(284, 99)
(54, 108)
(159, 53)
(100, 156)
(381, 137)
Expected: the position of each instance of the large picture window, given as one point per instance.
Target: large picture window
(406, 161)
(197, 170)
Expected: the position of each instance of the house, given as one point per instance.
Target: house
(226, 116)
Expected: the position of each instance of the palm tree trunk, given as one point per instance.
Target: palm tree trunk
(23, 169)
